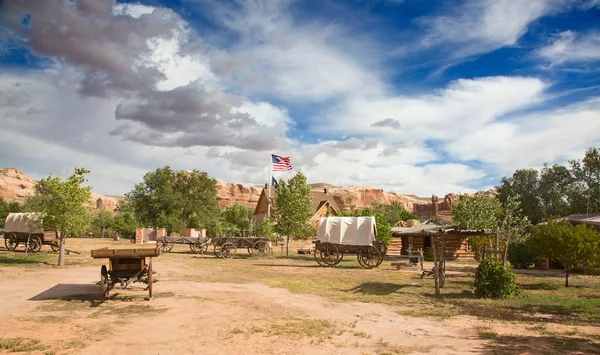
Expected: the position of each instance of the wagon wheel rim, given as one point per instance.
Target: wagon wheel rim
(318, 257)
(11, 242)
(104, 282)
(251, 250)
(227, 250)
(217, 251)
(150, 279)
(55, 245)
(369, 257)
(165, 246)
(35, 245)
(260, 248)
(330, 254)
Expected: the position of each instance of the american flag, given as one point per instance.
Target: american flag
(280, 163)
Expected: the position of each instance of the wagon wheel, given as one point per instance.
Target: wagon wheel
(227, 250)
(369, 257)
(11, 242)
(150, 279)
(35, 244)
(260, 248)
(199, 247)
(317, 256)
(330, 254)
(104, 282)
(55, 245)
(166, 246)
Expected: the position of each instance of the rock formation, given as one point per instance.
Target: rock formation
(232, 193)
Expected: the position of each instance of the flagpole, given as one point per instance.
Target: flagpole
(269, 186)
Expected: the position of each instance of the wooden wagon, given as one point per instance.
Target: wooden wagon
(197, 244)
(337, 236)
(26, 229)
(226, 247)
(125, 267)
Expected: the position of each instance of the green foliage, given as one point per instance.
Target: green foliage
(293, 206)
(520, 254)
(477, 243)
(236, 216)
(266, 229)
(512, 223)
(102, 220)
(556, 183)
(64, 205)
(382, 226)
(6, 208)
(174, 200)
(477, 212)
(585, 194)
(523, 186)
(391, 213)
(492, 280)
(567, 244)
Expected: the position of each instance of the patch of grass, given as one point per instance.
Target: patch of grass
(300, 328)
(486, 333)
(74, 344)
(19, 344)
(386, 348)
(22, 260)
(44, 319)
(439, 310)
(131, 309)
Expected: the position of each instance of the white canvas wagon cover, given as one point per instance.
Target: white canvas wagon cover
(347, 230)
(21, 222)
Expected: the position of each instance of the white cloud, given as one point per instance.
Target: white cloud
(572, 48)
(481, 26)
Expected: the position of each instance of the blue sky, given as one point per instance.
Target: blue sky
(416, 97)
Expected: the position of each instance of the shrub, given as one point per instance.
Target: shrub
(520, 255)
(492, 280)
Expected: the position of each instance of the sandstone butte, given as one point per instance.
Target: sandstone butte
(16, 186)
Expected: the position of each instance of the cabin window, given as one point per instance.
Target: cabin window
(467, 245)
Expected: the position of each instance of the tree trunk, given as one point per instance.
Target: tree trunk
(436, 275)
(497, 247)
(566, 276)
(61, 251)
(103, 229)
(287, 245)
(505, 255)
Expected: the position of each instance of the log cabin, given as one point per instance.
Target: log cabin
(405, 239)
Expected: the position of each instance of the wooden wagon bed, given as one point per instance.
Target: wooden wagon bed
(125, 253)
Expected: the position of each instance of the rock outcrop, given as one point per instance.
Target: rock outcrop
(16, 186)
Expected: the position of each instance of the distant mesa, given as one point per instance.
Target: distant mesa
(16, 186)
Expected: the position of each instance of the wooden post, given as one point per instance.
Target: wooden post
(436, 275)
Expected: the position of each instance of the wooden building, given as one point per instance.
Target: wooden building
(323, 205)
(405, 239)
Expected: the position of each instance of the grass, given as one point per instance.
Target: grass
(22, 260)
(318, 329)
(19, 344)
(486, 333)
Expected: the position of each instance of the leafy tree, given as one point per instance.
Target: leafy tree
(170, 199)
(292, 207)
(477, 212)
(125, 223)
(494, 280)
(392, 212)
(585, 195)
(266, 229)
(64, 205)
(103, 220)
(567, 244)
(556, 182)
(236, 216)
(520, 254)
(512, 224)
(6, 208)
(524, 186)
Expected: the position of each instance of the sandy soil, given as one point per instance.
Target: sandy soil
(60, 307)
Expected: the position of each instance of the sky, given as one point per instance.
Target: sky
(412, 96)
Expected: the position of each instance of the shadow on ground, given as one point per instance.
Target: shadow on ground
(71, 292)
(551, 344)
(376, 288)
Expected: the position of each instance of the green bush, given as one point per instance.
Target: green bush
(492, 280)
(520, 255)
(428, 254)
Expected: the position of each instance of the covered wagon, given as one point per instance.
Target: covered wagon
(337, 236)
(26, 229)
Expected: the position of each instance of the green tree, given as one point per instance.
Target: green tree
(392, 212)
(382, 226)
(523, 185)
(585, 194)
(6, 208)
(292, 207)
(477, 212)
(102, 220)
(567, 244)
(64, 205)
(170, 199)
(236, 216)
(266, 229)
(556, 182)
(512, 224)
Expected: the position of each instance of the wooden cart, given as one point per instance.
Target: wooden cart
(197, 245)
(226, 247)
(125, 267)
(26, 229)
(337, 236)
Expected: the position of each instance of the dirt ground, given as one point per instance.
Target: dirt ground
(49, 310)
